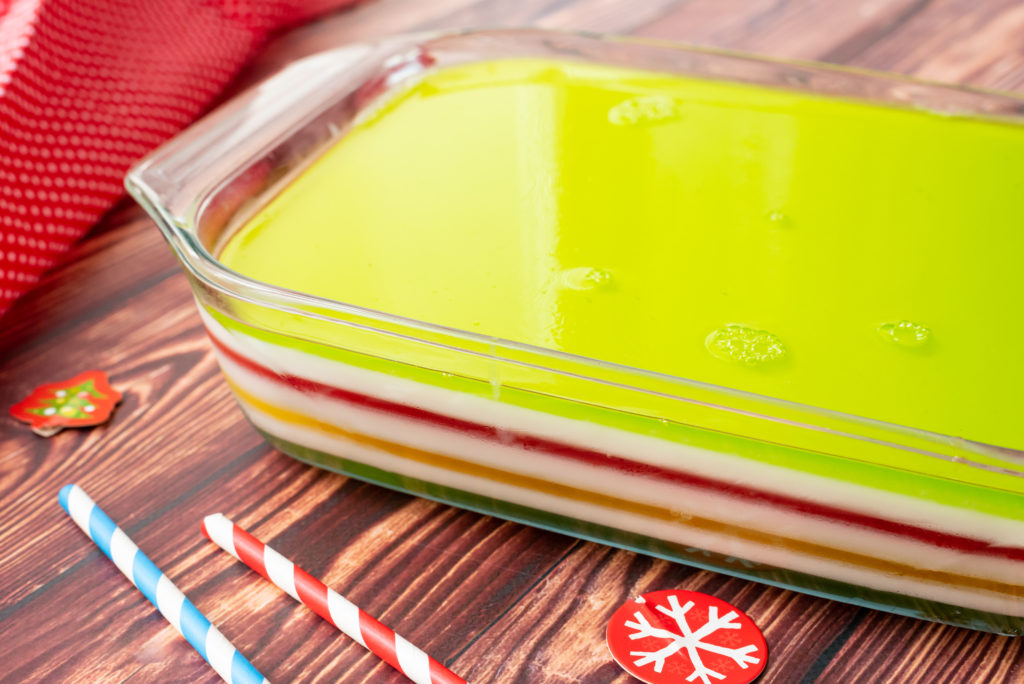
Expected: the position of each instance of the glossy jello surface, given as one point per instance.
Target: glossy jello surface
(843, 255)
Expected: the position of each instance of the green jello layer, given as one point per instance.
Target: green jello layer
(849, 255)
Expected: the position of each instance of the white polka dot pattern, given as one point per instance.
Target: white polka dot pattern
(89, 86)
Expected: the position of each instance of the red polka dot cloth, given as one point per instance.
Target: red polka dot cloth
(89, 86)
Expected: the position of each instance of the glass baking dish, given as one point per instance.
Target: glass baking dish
(710, 473)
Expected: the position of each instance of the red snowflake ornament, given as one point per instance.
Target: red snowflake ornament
(84, 400)
(685, 636)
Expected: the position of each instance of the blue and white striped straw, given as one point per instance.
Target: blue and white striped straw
(161, 592)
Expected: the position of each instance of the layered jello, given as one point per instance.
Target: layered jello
(759, 329)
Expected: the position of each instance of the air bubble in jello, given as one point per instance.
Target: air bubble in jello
(779, 219)
(585, 278)
(905, 333)
(642, 109)
(745, 345)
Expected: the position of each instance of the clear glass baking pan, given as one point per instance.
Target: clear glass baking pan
(840, 502)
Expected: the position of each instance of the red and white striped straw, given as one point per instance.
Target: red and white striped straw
(328, 604)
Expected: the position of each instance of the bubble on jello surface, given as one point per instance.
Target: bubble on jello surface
(745, 345)
(585, 278)
(905, 333)
(643, 109)
(779, 219)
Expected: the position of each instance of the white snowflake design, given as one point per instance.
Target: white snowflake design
(691, 640)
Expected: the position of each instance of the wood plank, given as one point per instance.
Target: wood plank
(817, 29)
(939, 654)
(957, 41)
(569, 611)
(123, 256)
(503, 602)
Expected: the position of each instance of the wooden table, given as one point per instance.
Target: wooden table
(495, 600)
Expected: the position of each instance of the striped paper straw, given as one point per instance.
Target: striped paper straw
(161, 592)
(328, 604)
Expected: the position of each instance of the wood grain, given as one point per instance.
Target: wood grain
(499, 602)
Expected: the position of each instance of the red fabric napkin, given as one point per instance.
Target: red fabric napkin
(87, 87)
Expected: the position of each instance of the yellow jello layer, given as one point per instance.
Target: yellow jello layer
(843, 255)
